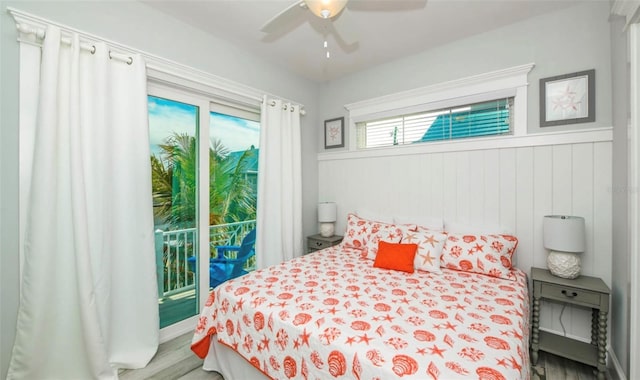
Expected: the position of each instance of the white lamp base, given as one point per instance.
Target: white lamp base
(326, 229)
(563, 264)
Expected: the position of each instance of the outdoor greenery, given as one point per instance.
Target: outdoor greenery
(232, 193)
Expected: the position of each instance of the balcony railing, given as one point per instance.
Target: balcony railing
(173, 248)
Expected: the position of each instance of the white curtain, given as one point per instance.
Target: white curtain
(279, 213)
(88, 298)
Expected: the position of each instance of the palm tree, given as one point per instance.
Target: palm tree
(174, 186)
(174, 181)
(235, 198)
(231, 195)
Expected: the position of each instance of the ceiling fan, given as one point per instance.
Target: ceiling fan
(327, 11)
(324, 9)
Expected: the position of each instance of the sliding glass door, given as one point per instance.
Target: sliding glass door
(201, 221)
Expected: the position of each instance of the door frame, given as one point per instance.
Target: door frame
(202, 199)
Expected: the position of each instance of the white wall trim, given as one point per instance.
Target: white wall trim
(498, 142)
(634, 201)
(614, 366)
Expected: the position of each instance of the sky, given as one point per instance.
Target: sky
(168, 116)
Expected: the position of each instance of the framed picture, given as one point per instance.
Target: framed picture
(568, 99)
(334, 133)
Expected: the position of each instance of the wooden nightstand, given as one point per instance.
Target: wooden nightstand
(318, 242)
(584, 291)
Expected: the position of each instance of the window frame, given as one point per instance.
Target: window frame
(510, 82)
(362, 128)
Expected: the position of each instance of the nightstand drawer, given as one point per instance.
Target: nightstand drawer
(565, 293)
(318, 242)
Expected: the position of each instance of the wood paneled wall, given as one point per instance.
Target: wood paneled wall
(509, 189)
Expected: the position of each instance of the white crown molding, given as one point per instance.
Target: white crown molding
(627, 8)
(506, 78)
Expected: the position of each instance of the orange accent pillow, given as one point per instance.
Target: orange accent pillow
(395, 256)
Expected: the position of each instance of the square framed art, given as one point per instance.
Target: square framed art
(568, 99)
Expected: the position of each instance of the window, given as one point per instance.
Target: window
(487, 118)
(478, 111)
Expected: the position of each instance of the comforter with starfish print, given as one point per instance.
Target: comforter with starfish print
(331, 314)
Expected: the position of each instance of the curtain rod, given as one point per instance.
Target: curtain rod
(285, 106)
(88, 46)
(30, 24)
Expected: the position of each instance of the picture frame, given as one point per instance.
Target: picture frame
(568, 99)
(334, 133)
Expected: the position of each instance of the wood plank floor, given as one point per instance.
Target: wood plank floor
(175, 360)
(552, 367)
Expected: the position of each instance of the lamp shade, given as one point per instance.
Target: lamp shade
(564, 233)
(327, 212)
(325, 8)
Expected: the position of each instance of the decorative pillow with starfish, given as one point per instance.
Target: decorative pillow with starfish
(365, 235)
(489, 254)
(430, 244)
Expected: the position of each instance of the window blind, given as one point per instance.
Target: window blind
(487, 118)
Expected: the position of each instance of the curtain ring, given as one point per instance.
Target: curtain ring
(284, 107)
(273, 103)
(93, 49)
(110, 55)
(293, 109)
(129, 61)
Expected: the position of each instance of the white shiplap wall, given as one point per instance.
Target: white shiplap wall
(511, 188)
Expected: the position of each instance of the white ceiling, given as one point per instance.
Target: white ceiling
(367, 33)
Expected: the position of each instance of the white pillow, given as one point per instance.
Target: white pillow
(468, 228)
(428, 222)
(373, 216)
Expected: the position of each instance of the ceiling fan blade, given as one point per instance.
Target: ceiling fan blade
(345, 38)
(344, 29)
(342, 33)
(386, 5)
(289, 15)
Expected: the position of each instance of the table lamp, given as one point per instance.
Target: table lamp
(564, 236)
(326, 217)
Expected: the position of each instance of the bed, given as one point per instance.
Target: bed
(335, 313)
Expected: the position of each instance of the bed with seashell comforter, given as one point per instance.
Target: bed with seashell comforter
(332, 314)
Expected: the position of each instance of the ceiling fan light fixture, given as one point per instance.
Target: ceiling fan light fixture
(326, 8)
